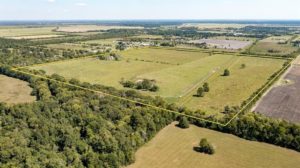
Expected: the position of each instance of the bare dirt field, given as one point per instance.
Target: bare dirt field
(283, 100)
(225, 44)
(14, 91)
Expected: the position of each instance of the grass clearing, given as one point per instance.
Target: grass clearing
(232, 90)
(173, 148)
(204, 26)
(35, 37)
(18, 32)
(66, 46)
(275, 45)
(89, 28)
(111, 41)
(163, 55)
(177, 73)
(107, 73)
(15, 91)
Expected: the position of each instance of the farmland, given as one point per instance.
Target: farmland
(27, 32)
(206, 26)
(282, 101)
(173, 148)
(237, 87)
(225, 44)
(274, 46)
(177, 73)
(84, 95)
(90, 28)
(15, 91)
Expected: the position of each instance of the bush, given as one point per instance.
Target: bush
(226, 72)
(206, 87)
(205, 147)
(183, 123)
(200, 92)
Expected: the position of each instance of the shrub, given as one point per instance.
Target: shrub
(183, 123)
(206, 87)
(226, 72)
(205, 147)
(200, 92)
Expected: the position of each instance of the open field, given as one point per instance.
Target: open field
(103, 41)
(88, 28)
(237, 87)
(107, 73)
(225, 44)
(148, 37)
(18, 32)
(277, 39)
(14, 91)
(177, 73)
(72, 46)
(35, 37)
(233, 38)
(274, 46)
(173, 148)
(203, 26)
(282, 101)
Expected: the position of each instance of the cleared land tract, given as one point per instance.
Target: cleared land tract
(177, 73)
(173, 148)
(228, 44)
(283, 101)
(14, 91)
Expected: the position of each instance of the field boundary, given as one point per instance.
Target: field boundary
(17, 69)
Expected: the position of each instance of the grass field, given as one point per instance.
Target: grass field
(277, 39)
(234, 38)
(103, 41)
(18, 32)
(173, 148)
(271, 46)
(202, 26)
(14, 91)
(66, 46)
(87, 28)
(35, 37)
(177, 73)
(232, 90)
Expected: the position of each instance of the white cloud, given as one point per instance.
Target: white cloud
(51, 1)
(81, 4)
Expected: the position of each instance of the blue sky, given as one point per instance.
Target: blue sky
(148, 9)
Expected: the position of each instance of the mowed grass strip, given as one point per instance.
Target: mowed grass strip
(14, 91)
(173, 148)
(237, 87)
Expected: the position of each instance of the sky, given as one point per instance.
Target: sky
(149, 9)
